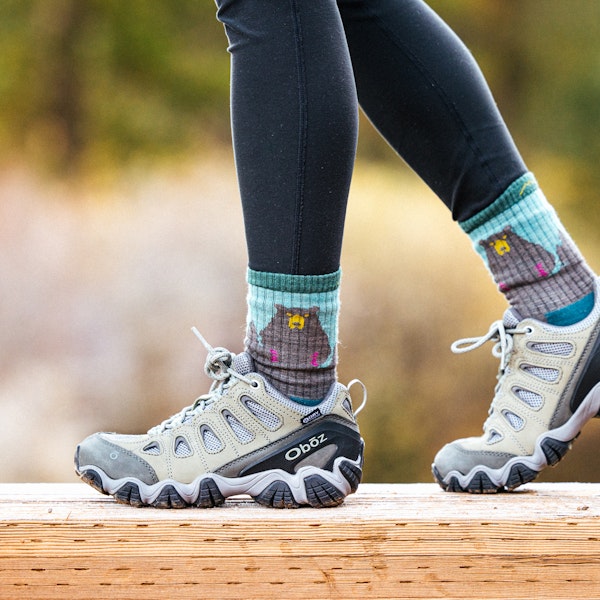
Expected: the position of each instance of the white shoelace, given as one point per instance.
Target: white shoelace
(499, 333)
(502, 335)
(218, 366)
(503, 347)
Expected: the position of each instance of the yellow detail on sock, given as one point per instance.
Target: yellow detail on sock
(296, 321)
(501, 246)
(525, 186)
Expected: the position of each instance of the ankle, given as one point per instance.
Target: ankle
(292, 331)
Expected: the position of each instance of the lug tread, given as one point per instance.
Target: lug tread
(481, 484)
(129, 493)
(555, 450)
(92, 478)
(451, 486)
(209, 495)
(169, 498)
(520, 474)
(322, 494)
(352, 473)
(454, 486)
(277, 495)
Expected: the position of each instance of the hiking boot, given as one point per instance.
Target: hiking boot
(548, 388)
(243, 437)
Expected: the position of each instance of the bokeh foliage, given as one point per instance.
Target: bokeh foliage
(90, 84)
(95, 83)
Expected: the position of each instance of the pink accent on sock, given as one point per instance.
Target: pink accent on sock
(315, 360)
(541, 270)
(274, 355)
(503, 287)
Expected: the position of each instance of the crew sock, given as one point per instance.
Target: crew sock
(292, 331)
(531, 256)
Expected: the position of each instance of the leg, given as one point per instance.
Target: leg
(294, 119)
(424, 92)
(275, 423)
(426, 95)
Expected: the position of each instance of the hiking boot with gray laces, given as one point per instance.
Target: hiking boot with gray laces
(548, 388)
(243, 437)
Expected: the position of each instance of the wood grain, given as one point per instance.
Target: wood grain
(386, 541)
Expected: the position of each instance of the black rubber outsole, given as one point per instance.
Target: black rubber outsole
(519, 474)
(320, 493)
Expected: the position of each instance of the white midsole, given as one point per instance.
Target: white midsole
(252, 485)
(587, 410)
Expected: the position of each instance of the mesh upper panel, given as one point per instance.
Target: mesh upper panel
(556, 349)
(242, 434)
(542, 372)
(266, 417)
(153, 449)
(494, 437)
(211, 442)
(182, 448)
(530, 398)
(516, 422)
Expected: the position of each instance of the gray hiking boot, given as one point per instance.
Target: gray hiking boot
(243, 437)
(548, 388)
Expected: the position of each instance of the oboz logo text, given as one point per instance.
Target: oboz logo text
(300, 449)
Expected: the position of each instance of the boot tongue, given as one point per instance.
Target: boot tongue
(511, 318)
(243, 363)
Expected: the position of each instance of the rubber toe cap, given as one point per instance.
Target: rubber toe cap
(113, 460)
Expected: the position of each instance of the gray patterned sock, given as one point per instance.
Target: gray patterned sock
(292, 331)
(531, 256)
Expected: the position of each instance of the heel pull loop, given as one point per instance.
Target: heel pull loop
(364, 388)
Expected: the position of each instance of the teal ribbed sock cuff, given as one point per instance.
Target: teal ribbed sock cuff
(518, 190)
(300, 284)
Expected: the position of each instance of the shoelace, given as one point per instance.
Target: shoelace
(503, 336)
(499, 333)
(218, 366)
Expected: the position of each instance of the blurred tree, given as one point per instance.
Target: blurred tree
(88, 83)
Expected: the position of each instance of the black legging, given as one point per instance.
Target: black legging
(296, 66)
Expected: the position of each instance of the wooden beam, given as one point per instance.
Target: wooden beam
(386, 541)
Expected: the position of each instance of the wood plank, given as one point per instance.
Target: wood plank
(386, 541)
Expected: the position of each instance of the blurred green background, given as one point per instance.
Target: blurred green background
(120, 227)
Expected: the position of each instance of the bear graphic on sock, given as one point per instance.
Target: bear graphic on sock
(517, 258)
(295, 338)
